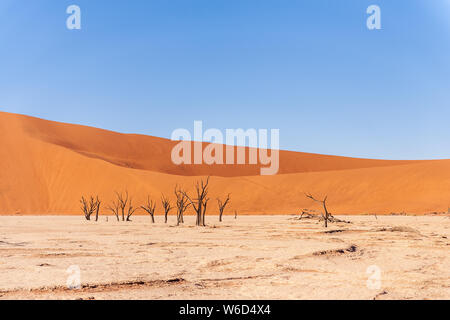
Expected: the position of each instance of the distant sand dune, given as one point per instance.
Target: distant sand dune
(46, 166)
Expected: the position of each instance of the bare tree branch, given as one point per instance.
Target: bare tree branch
(114, 208)
(182, 204)
(200, 203)
(97, 208)
(122, 205)
(131, 210)
(222, 205)
(89, 207)
(167, 206)
(150, 208)
(327, 216)
(123, 200)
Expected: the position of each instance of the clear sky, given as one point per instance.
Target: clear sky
(309, 68)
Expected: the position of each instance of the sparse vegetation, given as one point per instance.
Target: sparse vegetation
(182, 204)
(114, 208)
(167, 207)
(222, 205)
(131, 210)
(123, 200)
(150, 208)
(200, 202)
(91, 206)
(326, 215)
(122, 205)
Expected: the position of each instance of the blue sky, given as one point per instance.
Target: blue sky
(309, 68)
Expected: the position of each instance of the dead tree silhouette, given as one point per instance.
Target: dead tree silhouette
(167, 207)
(222, 205)
(114, 208)
(125, 204)
(89, 207)
(182, 204)
(200, 202)
(326, 216)
(150, 208)
(131, 210)
(123, 200)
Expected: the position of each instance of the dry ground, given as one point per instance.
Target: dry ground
(253, 257)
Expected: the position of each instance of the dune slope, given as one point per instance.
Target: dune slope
(46, 166)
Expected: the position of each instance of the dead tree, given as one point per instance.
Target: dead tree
(97, 208)
(150, 208)
(123, 201)
(205, 203)
(131, 210)
(114, 208)
(123, 205)
(222, 205)
(86, 208)
(235, 214)
(89, 207)
(200, 202)
(182, 204)
(326, 216)
(167, 207)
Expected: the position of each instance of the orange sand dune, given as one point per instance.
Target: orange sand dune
(46, 166)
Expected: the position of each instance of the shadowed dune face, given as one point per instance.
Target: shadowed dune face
(153, 154)
(46, 166)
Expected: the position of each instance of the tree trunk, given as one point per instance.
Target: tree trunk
(199, 215)
(204, 214)
(96, 213)
(326, 214)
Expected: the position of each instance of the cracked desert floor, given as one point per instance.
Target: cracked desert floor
(251, 257)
